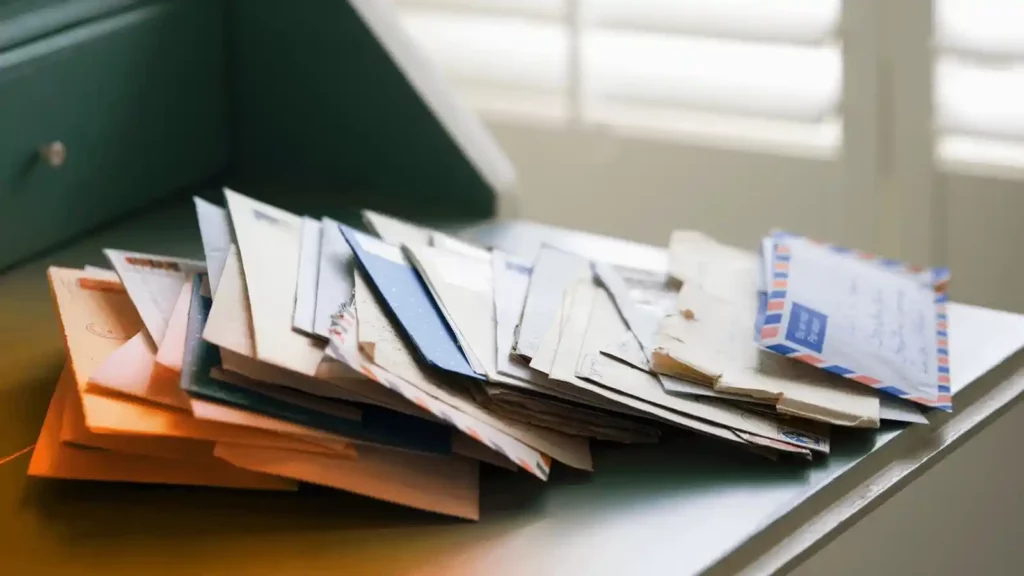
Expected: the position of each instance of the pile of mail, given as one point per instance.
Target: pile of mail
(392, 365)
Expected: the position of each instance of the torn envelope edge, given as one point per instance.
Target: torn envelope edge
(627, 350)
(706, 427)
(334, 280)
(936, 278)
(709, 415)
(531, 460)
(622, 379)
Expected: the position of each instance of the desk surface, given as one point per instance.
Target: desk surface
(686, 505)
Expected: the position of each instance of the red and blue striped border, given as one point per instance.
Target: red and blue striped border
(777, 291)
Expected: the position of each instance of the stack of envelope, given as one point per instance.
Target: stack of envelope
(393, 363)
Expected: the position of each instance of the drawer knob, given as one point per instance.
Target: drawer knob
(53, 153)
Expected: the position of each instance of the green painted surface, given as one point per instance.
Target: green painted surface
(317, 104)
(25, 20)
(139, 101)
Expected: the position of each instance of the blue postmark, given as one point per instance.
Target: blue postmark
(807, 327)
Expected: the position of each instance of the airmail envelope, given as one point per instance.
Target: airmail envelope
(54, 459)
(869, 319)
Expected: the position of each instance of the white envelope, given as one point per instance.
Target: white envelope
(306, 282)
(334, 281)
(154, 284)
(215, 230)
(268, 243)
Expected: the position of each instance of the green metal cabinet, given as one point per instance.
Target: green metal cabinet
(136, 100)
(107, 105)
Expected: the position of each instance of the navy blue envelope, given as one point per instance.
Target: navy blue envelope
(401, 290)
(378, 425)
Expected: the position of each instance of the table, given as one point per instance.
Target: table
(687, 505)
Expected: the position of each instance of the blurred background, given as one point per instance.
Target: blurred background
(891, 126)
(894, 126)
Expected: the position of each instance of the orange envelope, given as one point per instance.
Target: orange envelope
(125, 416)
(171, 352)
(446, 485)
(74, 431)
(106, 344)
(53, 459)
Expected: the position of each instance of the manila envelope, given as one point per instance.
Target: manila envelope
(154, 284)
(446, 485)
(107, 347)
(269, 240)
(54, 459)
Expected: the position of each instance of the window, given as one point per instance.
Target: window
(979, 84)
(765, 73)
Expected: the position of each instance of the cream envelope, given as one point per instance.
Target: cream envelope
(229, 327)
(461, 286)
(304, 310)
(154, 284)
(268, 242)
(107, 347)
(715, 348)
(704, 415)
(395, 231)
(53, 459)
(171, 351)
(446, 485)
(553, 273)
(390, 353)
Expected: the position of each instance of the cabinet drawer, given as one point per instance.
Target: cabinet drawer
(136, 101)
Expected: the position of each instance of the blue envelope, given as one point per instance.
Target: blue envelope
(408, 299)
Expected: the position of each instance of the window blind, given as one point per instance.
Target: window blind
(979, 82)
(742, 70)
